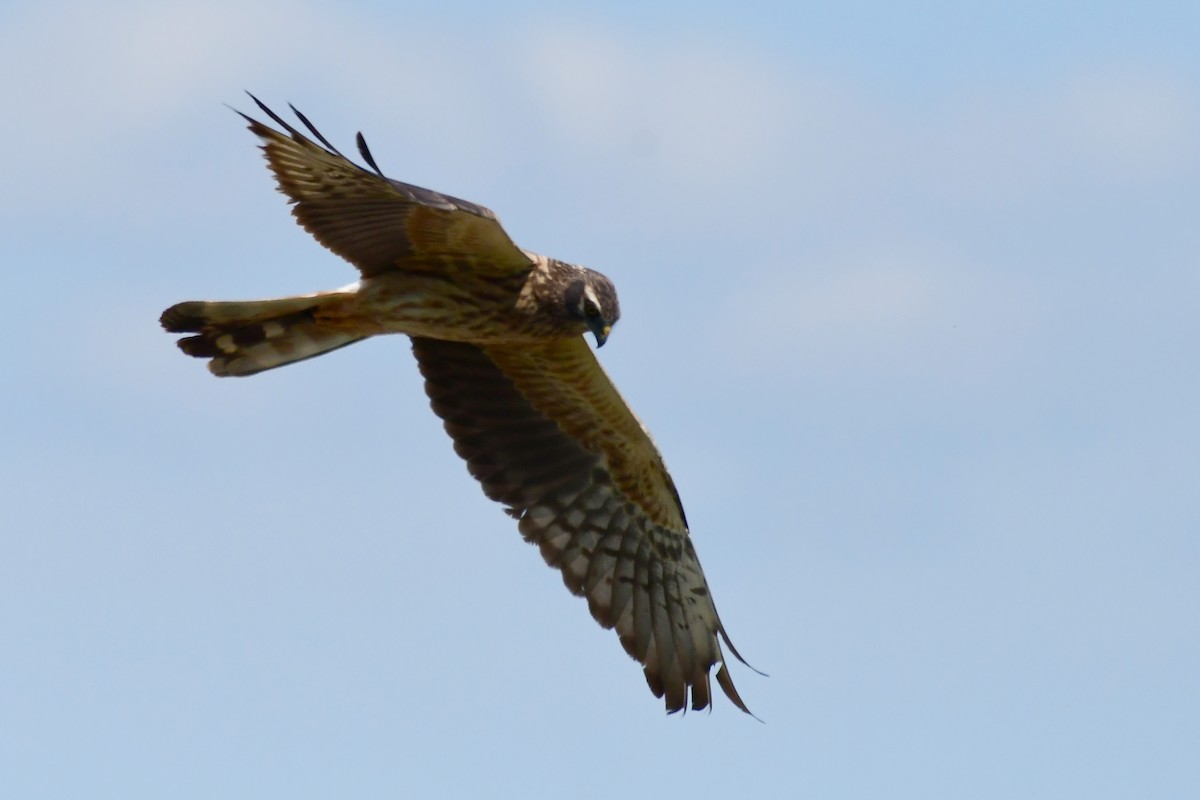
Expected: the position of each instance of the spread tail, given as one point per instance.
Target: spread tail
(245, 337)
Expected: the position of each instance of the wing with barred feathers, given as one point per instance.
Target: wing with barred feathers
(546, 433)
(376, 223)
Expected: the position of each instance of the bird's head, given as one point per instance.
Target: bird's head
(591, 299)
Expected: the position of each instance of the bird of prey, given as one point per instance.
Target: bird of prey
(498, 333)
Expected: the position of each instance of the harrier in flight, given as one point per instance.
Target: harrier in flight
(498, 335)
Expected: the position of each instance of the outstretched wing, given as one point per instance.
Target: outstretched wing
(376, 223)
(547, 434)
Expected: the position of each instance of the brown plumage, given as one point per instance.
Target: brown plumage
(497, 333)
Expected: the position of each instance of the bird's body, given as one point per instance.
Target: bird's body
(497, 332)
(452, 304)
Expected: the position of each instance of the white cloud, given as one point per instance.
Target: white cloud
(880, 295)
(707, 132)
(108, 99)
(110, 81)
(895, 307)
(698, 112)
(698, 125)
(101, 68)
(1130, 122)
(1091, 130)
(877, 294)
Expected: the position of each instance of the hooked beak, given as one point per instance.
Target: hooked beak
(600, 329)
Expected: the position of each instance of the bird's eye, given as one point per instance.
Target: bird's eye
(590, 310)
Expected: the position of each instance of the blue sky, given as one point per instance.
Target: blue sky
(909, 302)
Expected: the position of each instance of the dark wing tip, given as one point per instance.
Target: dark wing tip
(366, 153)
(275, 117)
(726, 684)
(240, 113)
(736, 654)
(316, 133)
(263, 131)
(268, 133)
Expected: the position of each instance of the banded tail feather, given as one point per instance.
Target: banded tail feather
(246, 337)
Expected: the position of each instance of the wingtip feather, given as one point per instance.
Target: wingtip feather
(726, 683)
(365, 152)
